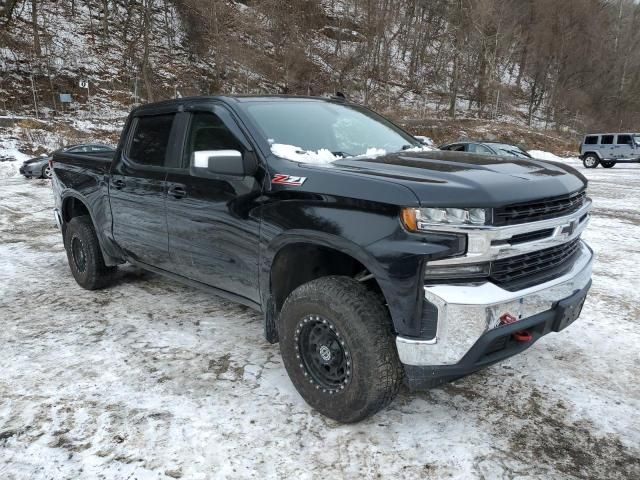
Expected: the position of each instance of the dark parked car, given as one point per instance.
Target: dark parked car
(373, 265)
(486, 148)
(39, 166)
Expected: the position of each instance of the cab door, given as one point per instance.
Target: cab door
(213, 226)
(138, 189)
(606, 148)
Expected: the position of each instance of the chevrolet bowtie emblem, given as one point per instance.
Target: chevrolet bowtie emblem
(569, 228)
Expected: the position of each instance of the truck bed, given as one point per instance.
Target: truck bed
(99, 162)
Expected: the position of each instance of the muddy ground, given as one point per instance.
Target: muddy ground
(150, 379)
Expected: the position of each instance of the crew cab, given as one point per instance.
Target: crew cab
(373, 258)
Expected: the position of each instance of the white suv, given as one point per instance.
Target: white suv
(610, 148)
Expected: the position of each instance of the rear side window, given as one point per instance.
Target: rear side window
(150, 139)
(624, 139)
(591, 140)
(606, 140)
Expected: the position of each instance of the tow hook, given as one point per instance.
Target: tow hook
(520, 335)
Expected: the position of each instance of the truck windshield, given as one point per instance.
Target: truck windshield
(330, 129)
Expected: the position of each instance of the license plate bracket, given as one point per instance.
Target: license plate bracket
(569, 309)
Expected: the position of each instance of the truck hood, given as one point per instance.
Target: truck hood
(456, 179)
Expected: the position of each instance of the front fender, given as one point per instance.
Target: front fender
(396, 262)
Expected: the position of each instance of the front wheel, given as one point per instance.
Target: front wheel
(608, 164)
(47, 172)
(338, 348)
(590, 161)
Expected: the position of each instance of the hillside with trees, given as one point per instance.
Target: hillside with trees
(559, 67)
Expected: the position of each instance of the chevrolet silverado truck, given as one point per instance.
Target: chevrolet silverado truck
(374, 259)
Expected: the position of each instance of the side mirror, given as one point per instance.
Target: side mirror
(224, 162)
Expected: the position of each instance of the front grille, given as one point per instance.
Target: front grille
(539, 209)
(530, 236)
(523, 271)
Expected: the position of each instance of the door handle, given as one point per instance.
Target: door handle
(177, 192)
(118, 184)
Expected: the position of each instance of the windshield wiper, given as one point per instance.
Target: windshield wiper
(342, 154)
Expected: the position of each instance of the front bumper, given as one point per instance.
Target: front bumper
(30, 171)
(468, 312)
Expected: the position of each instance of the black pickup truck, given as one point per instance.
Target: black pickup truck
(372, 260)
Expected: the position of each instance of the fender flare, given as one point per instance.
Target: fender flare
(312, 237)
(321, 239)
(594, 152)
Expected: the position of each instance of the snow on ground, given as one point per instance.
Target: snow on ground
(542, 155)
(152, 379)
(10, 158)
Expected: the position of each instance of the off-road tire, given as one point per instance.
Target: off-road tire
(607, 164)
(80, 241)
(360, 320)
(590, 161)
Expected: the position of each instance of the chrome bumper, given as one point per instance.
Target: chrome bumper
(466, 312)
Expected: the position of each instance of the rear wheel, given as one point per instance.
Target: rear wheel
(608, 164)
(338, 348)
(590, 161)
(84, 255)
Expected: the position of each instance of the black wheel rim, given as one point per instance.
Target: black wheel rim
(323, 354)
(79, 255)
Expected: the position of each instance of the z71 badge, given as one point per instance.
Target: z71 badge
(281, 179)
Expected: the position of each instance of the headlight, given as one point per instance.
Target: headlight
(420, 219)
(451, 272)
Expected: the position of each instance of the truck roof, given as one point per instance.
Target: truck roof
(612, 133)
(231, 99)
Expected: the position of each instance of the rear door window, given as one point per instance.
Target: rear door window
(606, 140)
(591, 140)
(150, 139)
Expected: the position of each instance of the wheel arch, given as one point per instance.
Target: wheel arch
(311, 255)
(74, 205)
(593, 152)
